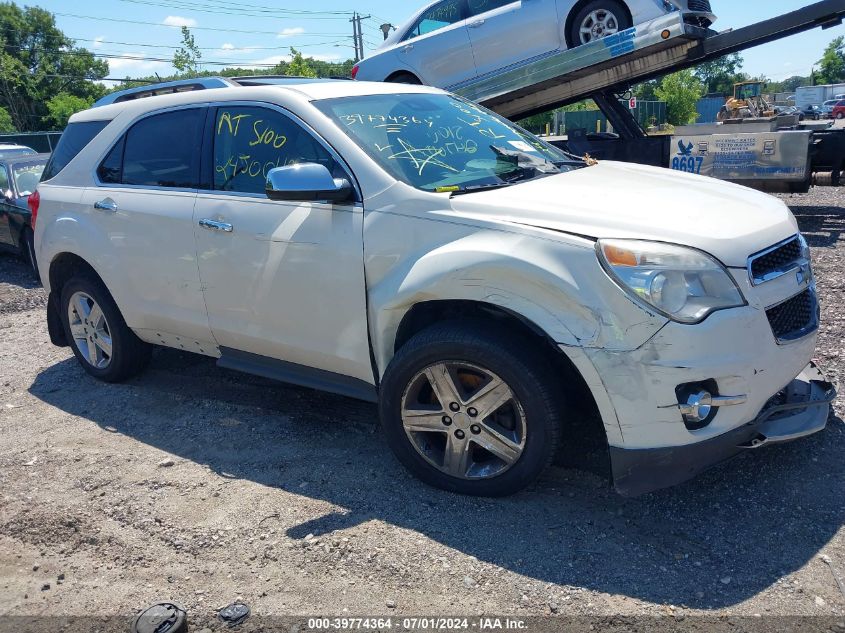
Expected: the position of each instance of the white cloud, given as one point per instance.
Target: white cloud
(291, 32)
(227, 47)
(177, 20)
(98, 42)
(133, 65)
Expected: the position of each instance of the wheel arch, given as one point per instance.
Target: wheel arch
(392, 77)
(570, 19)
(63, 267)
(588, 437)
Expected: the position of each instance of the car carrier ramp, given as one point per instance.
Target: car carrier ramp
(638, 54)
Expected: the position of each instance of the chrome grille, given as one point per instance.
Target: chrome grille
(699, 5)
(778, 260)
(796, 317)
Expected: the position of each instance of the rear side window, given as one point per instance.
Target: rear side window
(162, 150)
(76, 137)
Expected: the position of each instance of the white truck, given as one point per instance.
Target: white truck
(806, 96)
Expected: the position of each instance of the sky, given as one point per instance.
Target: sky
(261, 33)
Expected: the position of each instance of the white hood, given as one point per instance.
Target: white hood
(621, 200)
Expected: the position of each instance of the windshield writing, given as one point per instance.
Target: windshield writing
(439, 142)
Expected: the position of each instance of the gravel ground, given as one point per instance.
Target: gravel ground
(202, 486)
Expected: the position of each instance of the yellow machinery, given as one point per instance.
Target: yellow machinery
(747, 103)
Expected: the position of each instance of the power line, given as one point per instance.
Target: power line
(211, 48)
(193, 28)
(142, 58)
(249, 12)
(249, 7)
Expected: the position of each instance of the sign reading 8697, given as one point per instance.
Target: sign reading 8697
(689, 164)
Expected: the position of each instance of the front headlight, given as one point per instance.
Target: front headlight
(683, 284)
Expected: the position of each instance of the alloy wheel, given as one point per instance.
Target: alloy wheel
(464, 420)
(598, 24)
(90, 330)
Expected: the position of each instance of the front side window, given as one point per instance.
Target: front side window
(441, 143)
(4, 180)
(162, 150)
(438, 17)
(250, 141)
(477, 7)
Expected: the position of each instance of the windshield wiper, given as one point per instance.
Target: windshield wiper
(476, 188)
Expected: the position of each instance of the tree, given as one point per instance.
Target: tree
(62, 107)
(186, 59)
(299, 66)
(790, 84)
(832, 64)
(6, 125)
(646, 91)
(681, 92)
(37, 62)
(720, 75)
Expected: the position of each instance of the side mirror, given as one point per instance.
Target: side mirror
(8, 195)
(307, 182)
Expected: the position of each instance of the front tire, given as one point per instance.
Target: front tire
(99, 337)
(472, 409)
(596, 20)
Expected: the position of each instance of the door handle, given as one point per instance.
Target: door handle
(477, 23)
(213, 225)
(408, 48)
(106, 205)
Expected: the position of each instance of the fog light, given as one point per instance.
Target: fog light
(698, 407)
(699, 402)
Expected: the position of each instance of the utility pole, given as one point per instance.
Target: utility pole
(358, 34)
(354, 21)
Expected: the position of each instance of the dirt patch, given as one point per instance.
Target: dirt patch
(204, 486)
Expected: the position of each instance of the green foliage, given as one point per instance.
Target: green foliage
(186, 59)
(38, 62)
(790, 84)
(832, 64)
(6, 125)
(720, 75)
(298, 66)
(62, 107)
(646, 91)
(681, 92)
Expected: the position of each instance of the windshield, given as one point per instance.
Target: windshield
(27, 176)
(444, 144)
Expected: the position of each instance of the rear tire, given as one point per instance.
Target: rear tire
(840, 115)
(99, 337)
(596, 20)
(492, 449)
(404, 78)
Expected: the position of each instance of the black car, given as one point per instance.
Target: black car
(19, 176)
(812, 112)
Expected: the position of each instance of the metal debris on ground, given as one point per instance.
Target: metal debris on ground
(235, 614)
(164, 617)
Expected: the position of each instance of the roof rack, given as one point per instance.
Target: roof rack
(203, 83)
(164, 88)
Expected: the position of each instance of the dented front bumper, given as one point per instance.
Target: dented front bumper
(797, 411)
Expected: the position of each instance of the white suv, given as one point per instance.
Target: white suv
(401, 245)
